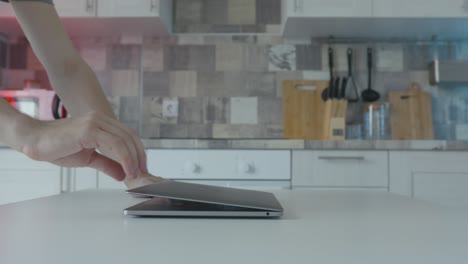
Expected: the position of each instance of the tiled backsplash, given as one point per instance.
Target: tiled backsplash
(230, 86)
(227, 16)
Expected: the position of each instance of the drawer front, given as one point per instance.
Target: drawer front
(220, 164)
(340, 168)
(248, 185)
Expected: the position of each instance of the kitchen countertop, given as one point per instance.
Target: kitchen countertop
(318, 227)
(285, 144)
(305, 144)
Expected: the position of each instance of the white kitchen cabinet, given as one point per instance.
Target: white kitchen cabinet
(84, 178)
(251, 165)
(338, 169)
(22, 178)
(6, 10)
(107, 182)
(125, 8)
(440, 177)
(76, 8)
(328, 8)
(249, 169)
(412, 19)
(420, 8)
(65, 8)
(249, 185)
(159, 13)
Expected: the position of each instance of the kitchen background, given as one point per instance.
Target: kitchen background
(229, 85)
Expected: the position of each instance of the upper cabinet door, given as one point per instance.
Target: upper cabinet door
(126, 8)
(76, 8)
(329, 8)
(6, 10)
(420, 8)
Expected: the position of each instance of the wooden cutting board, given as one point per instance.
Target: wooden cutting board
(411, 114)
(303, 109)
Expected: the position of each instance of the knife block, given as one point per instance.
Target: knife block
(335, 119)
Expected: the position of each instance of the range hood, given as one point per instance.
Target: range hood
(448, 72)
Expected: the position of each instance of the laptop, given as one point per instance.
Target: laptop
(180, 199)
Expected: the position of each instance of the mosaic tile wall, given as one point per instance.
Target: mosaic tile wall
(227, 16)
(230, 86)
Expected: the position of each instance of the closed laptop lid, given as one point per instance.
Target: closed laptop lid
(210, 194)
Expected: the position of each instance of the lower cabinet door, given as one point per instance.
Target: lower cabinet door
(448, 189)
(21, 185)
(438, 177)
(23, 179)
(106, 182)
(84, 178)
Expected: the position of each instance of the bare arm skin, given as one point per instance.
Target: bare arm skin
(72, 142)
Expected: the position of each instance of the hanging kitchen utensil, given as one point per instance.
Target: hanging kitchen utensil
(344, 84)
(351, 82)
(328, 93)
(370, 95)
(336, 88)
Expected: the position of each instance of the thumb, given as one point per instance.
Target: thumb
(107, 166)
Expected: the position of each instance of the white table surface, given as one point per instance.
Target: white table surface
(318, 227)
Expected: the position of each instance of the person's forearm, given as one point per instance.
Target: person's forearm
(70, 76)
(79, 89)
(14, 126)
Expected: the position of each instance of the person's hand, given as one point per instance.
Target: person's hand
(72, 142)
(142, 180)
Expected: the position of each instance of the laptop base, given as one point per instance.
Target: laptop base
(164, 207)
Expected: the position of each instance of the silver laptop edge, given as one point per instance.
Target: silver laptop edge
(180, 199)
(201, 201)
(203, 213)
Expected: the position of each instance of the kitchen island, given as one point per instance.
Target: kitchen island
(318, 227)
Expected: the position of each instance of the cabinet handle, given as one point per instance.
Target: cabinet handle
(246, 167)
(298, 4)
(331, 158)
(192, 167)
(90, 6)
(153, 5)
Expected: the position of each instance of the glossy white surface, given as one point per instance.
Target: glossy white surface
(220, 164)
(119, 8)
(420, 8)
(22, 178)
(318, 227)
(439, 177)
(77, 8)
(330, 8)
(340, 169)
